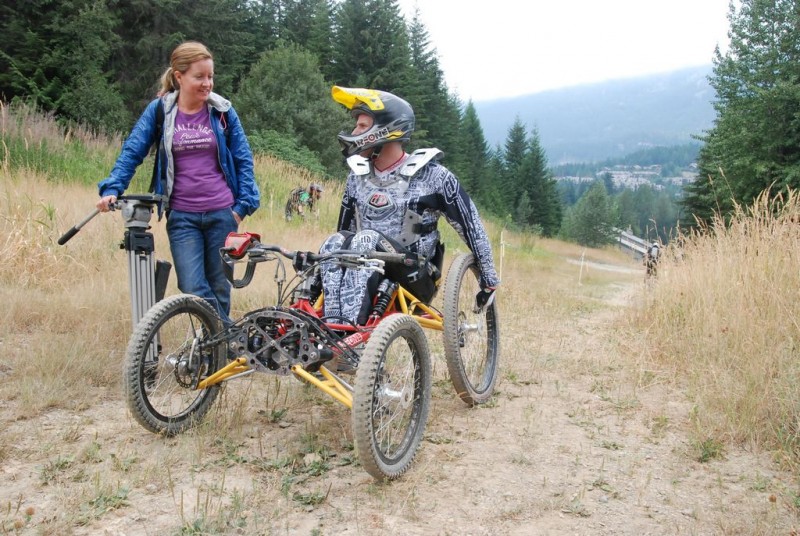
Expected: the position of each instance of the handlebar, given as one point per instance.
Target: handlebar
(75, 228)
(247, 245)
(146, 199)
(308, 258)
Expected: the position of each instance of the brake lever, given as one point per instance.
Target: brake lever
(375, 265)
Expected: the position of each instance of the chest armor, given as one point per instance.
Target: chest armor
(382, 202)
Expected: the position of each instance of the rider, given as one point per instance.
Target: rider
(392, 202)
(300, 198)
(651, 258)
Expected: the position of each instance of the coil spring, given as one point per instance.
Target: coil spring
(385, 291)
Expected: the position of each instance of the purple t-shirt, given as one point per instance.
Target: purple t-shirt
(199, 185)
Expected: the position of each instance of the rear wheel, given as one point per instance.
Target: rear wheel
(391, 397)
(471, 340)
(165, 359)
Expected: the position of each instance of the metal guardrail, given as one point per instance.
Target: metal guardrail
(631, 241)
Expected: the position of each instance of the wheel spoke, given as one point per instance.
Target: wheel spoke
(471, 339)
(391, 397)
(164, 361)
(392, 410)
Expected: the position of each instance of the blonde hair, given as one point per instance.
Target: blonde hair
(183, 56)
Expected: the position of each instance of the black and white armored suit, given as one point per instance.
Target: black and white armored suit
(402, 204)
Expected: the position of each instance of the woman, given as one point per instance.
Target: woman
(204, 167)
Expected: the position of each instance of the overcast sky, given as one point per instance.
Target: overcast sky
(516, 47)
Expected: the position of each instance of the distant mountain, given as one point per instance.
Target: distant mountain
(608, 119)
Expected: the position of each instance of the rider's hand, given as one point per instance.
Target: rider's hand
(483, 300)
(105, 202)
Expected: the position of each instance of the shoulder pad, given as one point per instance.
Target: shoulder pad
(358, 164)
(418, 160)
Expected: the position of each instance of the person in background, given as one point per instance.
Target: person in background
(651, 257)
(203, 165)
(392, 202)
(300, 198)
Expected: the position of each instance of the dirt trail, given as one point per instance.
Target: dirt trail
(569, 446)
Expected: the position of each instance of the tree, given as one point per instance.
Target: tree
(608, 182)
(371, 45)
(535, 181)
(590, 221)
(755, 141)
(422, 86)
(438, 114)
(514, 151)
(473, 173)
(308, 23)
(100, 62)
(262, 23)
(523, 211)
(286, 93)
(149, 30)
(56, 54)
(490, 184)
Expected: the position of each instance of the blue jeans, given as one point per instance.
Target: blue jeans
(195, 239)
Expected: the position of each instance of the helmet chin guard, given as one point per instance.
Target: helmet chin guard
(393, 118)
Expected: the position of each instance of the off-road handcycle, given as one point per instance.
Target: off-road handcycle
(181, 354)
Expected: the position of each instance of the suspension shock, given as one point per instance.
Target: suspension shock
(386, 290)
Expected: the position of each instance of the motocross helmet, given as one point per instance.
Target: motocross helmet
(393, 118)
(314, 187)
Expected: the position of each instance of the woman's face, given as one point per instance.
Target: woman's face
(198, 81)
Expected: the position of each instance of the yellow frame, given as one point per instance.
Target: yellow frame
(329, 383)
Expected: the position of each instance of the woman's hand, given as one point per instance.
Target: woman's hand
(237, 217)
(105, 202)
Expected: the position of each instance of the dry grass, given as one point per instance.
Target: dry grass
(65, 325)
(275, 455)
(723, 318)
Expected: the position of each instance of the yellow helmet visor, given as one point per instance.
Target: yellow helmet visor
(352, 97)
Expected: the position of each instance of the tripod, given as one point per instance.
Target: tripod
(147, 279)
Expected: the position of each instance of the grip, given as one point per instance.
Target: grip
(68, 235)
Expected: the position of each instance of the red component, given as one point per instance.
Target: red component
(237, 244)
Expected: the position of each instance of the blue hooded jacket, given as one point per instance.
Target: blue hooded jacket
(235, 156)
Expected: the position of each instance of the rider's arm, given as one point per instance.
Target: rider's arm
(462, 214)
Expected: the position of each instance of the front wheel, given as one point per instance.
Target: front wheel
(391, 398)
(471, 340)
(166, 357)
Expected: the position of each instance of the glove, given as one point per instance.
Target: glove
(483, 300)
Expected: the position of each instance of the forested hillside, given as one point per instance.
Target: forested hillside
(610, 119)
(97, 63)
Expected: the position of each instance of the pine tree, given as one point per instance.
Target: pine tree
(491, 184)
(755, 141)
(473, 175)
(262, 19)
(308, 23)
(371, 45)
(423, 84)
(57, 55)
(534, 178)
(514, 151)
(590, 221)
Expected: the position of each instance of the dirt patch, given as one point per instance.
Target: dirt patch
(605, 266)
(570, 445)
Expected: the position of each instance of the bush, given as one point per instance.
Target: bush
(285, 148)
